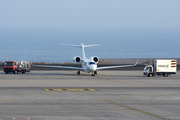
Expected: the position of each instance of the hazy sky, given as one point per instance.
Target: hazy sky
(124, 28)
(82, 15)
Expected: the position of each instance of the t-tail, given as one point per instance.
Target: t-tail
(82, 46)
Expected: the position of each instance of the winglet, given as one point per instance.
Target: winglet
(136, 62)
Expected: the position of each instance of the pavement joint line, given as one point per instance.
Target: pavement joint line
(137, 110)
(117, 81)
(74, 90)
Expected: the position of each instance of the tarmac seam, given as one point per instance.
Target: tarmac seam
(137, 110)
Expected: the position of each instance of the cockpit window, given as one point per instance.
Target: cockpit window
(145, 68)
(92, 63)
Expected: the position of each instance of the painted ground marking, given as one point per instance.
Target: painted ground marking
(66, 89)
(137, 110)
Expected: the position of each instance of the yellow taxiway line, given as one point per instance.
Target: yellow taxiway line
(137, 110)
(74, 90)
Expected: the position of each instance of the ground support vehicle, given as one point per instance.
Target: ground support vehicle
(163, 67)
(17, 67)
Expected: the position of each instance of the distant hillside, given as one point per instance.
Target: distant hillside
(142, 61)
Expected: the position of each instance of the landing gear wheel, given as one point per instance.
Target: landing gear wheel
(95, 72)
(78, 72)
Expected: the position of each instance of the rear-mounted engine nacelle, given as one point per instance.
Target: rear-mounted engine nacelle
(77, 59)
(95, 59)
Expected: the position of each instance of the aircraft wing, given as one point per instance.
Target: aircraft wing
(108, 67)
(67, 67)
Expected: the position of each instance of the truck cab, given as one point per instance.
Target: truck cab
(10, 66)
(148, 70)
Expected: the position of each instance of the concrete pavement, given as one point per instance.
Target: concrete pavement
(63, 95)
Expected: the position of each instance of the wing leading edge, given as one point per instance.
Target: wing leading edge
(100, 68)
(76, 68)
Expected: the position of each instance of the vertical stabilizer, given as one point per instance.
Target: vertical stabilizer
(82, 46)
(83, 51)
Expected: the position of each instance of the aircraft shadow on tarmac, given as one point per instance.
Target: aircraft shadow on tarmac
(84, 74)
(119, 76)
(52, 74)
(72, 73)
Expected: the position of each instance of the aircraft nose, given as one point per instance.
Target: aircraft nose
(94, 67)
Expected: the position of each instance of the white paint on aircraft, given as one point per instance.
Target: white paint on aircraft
(88, 65)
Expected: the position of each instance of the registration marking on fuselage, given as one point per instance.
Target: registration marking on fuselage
(66, 89)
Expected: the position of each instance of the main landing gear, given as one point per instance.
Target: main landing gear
(78, 72)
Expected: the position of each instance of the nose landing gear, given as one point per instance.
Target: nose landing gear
(94, 73)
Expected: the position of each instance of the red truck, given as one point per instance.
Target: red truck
(16, 67)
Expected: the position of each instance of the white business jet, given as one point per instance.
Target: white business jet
(88, 65)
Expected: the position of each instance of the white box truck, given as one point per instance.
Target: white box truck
(163, 67)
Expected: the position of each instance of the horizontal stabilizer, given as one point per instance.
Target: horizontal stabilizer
(80, 46)
(91, 45)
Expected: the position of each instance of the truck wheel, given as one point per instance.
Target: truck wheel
(147, 75)
(150, 75)
(7, 72)
(165, 74)
(14, 71)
